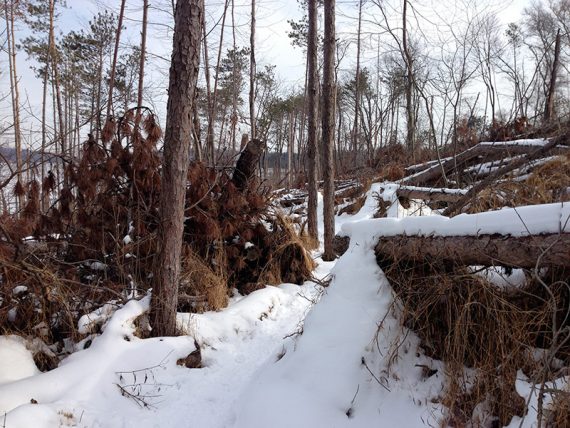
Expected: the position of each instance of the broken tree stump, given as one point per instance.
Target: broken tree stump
(247, 163)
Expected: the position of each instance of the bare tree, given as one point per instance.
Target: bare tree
(312, 91)
(408, 60)
(549, 104)
(357, 86)
(328, 121)
(252, 71)
(182, 85)
(141, 64)
(14, 91)
(115, 54)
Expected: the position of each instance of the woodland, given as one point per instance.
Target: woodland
(265, 213)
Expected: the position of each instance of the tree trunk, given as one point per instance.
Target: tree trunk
(410, 117)
(15, 94)
(357, 90)
(141, 65)
(213, 106)
(312, 121)
(235, 90)
(549, 105)
(252, 71)
(115, 54)
(182, 85)
(492, 178)
(246, 164)
(482, 250)
(328, 122)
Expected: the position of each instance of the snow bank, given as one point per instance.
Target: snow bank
(342, 369)
(16, 361)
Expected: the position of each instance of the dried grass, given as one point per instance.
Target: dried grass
(558, 413)
(288, 261)
(201, 288)
(465, 321)
(546, 184)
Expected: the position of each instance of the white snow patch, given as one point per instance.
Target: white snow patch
(16, 361)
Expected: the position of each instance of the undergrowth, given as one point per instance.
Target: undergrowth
(485, 334)
(90, 238)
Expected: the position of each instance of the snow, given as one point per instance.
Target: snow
(523, 142)
(521, 221)
(17, 361)
(435, 190)
(285, 356)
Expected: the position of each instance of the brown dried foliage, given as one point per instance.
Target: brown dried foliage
(114, 192)
(464, 320)
(547, 183)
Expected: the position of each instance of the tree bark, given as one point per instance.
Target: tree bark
(182, 85)
(247, 163)
(328, 125)
(410, 115)
(252, 71)
(483, 250)
(312, 121)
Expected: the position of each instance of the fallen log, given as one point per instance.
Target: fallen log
(491, 178)
(430, 193)
(482, 151)
(484, 250)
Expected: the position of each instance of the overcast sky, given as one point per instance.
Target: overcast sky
(273, 44)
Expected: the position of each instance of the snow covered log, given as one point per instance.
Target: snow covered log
(430, 193)
(488, 151)
(522, 237)
(488, 250)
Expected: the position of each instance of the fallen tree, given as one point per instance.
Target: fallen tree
(430, 193)
(484, 151)
(488, 250)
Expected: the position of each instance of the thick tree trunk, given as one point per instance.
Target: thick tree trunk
(182, 85)
(252, 71)
(329, 102)
(247, 163)
(312, 121)
(483, 250)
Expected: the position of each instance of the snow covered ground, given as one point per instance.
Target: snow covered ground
(287, 356)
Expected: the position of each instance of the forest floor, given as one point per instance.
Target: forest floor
(284, 356)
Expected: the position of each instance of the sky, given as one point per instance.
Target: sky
(272, 43)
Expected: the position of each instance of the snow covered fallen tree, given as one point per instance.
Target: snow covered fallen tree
(487, 250)
(516, 237)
